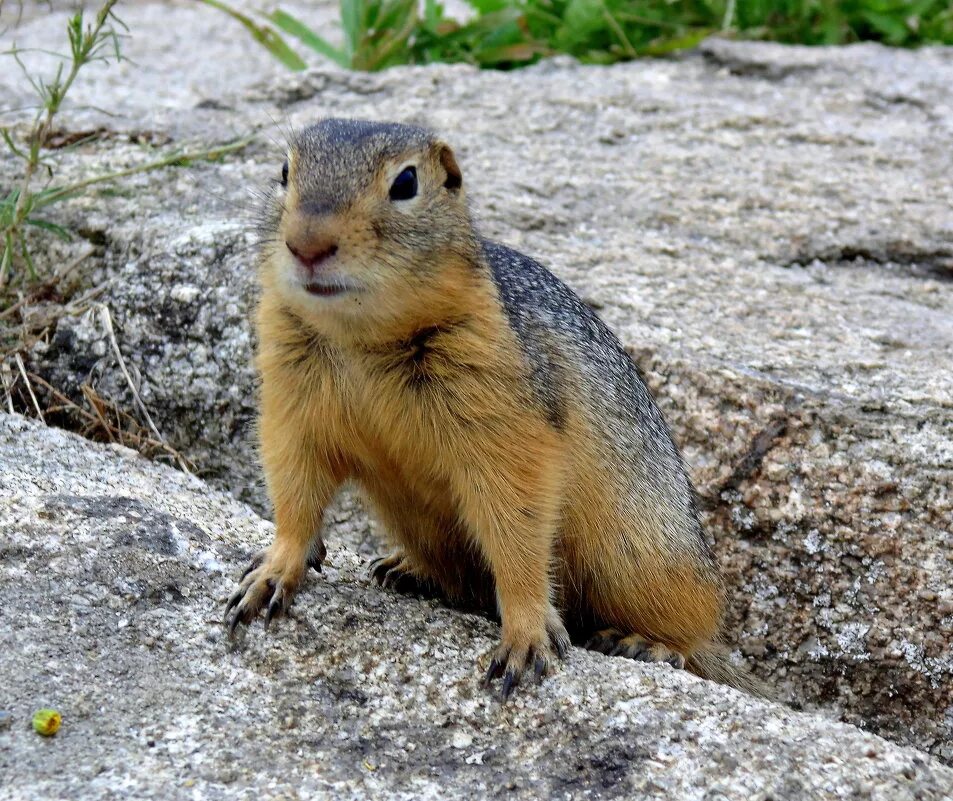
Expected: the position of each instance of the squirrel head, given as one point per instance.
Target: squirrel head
(363, 220)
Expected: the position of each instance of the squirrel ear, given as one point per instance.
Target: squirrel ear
(449, 163)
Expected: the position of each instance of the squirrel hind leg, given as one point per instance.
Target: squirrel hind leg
(613, 642)
(396, 572)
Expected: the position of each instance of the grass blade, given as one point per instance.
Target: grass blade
(351, 16)
(267, 37)
(294, 27)
(53, 228)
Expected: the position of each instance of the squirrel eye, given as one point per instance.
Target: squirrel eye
(405, 185)
(284, 174)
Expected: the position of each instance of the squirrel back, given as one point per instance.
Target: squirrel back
(573, 356)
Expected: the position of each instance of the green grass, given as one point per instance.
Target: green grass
(21, 204)
(504, 34)
(25, 206)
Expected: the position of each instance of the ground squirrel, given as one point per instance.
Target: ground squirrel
(494, 424)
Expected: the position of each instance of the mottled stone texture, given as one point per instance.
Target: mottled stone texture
(112, 581)
(768, 229)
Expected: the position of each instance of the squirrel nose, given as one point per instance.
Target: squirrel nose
(311, 257)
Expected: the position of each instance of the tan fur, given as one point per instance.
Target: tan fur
(419, 466)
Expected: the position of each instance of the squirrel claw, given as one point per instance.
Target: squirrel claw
(253, 564)
(276, 608)
(383, 565)
(233, 602)
(539, 668)
(510, 680)
(394, 573)
(516, 664)
(558, 636)
(603, 641)
(261, 587)
(233, 621)
(495, 671)
(317, 555)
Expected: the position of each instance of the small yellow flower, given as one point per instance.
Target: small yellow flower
(47, 722)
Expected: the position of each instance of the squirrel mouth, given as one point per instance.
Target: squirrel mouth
(325, 290)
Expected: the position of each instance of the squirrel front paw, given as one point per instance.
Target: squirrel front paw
(520, 663)
(268, 581)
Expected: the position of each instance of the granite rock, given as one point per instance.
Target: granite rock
(112, 581)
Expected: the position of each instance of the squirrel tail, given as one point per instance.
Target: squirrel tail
(712, 661)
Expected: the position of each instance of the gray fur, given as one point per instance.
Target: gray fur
(342, 156)
(569, 348)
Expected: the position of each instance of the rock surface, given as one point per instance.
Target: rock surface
(769, 229)
(112, 580)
